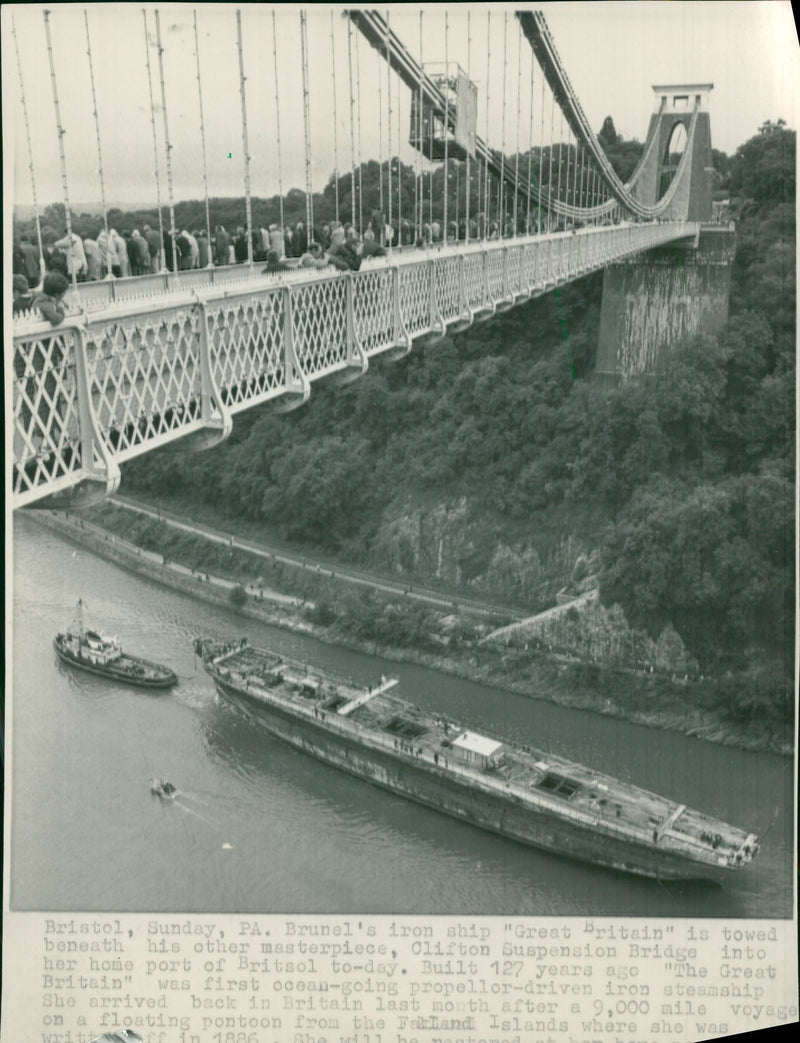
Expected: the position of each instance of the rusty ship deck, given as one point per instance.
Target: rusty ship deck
(518, 791)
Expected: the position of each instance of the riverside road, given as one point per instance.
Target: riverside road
(340, 573)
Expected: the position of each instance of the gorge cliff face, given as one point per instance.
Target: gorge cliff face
(442, 541)
(557, 584)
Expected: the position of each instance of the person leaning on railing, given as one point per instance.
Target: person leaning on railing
(22, 298)
(275, 264)
(50, 304)
(345, 253)
(371, 248)
(314, 257)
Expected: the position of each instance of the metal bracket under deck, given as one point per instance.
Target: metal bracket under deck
(214, 414)
(298, 386)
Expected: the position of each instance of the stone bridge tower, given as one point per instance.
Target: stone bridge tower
(669, 124)
(658, 300)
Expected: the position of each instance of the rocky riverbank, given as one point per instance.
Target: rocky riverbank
(690, 706)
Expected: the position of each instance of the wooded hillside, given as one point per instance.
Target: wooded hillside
(685, 484)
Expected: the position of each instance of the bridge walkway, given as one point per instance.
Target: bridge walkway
(109, 384)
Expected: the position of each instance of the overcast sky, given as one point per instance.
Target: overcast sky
(612, 52)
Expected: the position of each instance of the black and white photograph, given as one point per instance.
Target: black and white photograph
(400, 440)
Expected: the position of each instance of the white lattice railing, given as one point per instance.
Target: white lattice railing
(111, 383)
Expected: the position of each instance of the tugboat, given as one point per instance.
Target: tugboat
(100, 654)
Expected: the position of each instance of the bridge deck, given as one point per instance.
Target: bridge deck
(120, 378)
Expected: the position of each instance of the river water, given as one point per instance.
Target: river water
(263, 828)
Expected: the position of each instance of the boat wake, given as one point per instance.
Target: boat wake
(191, 811)
(193, 796)
(167, 793)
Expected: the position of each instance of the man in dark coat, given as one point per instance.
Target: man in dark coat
(300, 239)
(133, 253)
(240, 245)
(50, 302)
(222, 247)
(168, 258)
(184, 248)
(204, 247)
(141, 252)
(31, 267)
(153, 240)
(378, 225)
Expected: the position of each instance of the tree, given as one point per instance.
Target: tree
(237, 597)
(55, 214)
(608, 136)
(711, 559)
(321, 488)
(763, 168)
(623, 155)
(722, 163)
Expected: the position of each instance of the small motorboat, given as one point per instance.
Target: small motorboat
(163, 789)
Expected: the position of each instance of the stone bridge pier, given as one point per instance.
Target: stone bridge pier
(654, 302)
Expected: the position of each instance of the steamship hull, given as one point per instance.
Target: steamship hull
(523, 795)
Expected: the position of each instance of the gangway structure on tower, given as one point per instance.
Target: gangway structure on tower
(445, 105)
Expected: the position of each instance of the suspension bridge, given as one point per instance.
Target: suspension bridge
(170, 357)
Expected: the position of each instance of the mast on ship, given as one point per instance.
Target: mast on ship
(79, 618)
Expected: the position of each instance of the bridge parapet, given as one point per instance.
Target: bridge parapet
(108, 385)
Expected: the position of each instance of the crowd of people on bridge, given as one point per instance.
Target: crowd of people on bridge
(150, 251)
(332, 244)
(112, 253)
